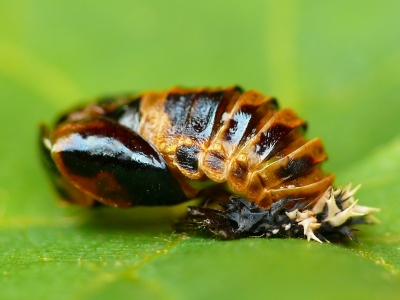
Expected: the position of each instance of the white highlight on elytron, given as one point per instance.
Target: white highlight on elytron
(102, 146)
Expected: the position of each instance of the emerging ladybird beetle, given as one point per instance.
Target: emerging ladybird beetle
(163, 148)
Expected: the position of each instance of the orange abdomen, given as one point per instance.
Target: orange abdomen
(234, 137)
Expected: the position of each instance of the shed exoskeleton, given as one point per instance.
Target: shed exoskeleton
(163, 148)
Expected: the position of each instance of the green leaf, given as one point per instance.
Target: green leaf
(379, 174)
(337, 64)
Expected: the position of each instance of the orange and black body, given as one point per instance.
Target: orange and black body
(163, 148)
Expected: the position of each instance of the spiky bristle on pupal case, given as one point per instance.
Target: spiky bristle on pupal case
(330, 217)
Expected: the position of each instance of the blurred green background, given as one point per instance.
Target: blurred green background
(336, 63)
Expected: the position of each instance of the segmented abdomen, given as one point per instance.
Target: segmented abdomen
(227, 135)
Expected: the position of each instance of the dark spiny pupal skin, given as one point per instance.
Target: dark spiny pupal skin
(163, 148)
(240, 218)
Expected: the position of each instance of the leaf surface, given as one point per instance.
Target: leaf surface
(337, 64)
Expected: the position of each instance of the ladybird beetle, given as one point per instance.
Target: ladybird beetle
(164, 148)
